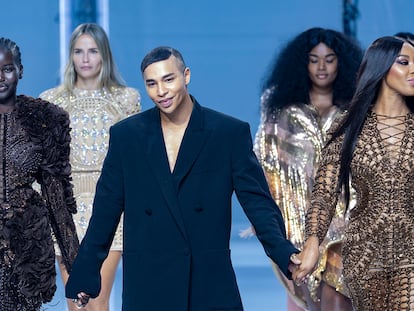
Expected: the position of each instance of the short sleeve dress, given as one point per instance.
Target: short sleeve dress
(91, 113)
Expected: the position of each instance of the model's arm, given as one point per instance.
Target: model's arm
(107, 209)
(325, 193)
(254, 196)
(323, 204)
(56, 184)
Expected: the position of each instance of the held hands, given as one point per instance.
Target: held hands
(294, 263)
(82, 300)
(308, 259)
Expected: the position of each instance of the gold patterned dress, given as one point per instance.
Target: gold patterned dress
(92, 112)
(378, 252)
(288, 145)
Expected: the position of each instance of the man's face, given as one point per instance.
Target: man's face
(166, 84)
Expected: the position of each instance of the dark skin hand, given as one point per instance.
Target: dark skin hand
(308, 258)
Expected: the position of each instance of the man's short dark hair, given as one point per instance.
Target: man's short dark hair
(162, 53)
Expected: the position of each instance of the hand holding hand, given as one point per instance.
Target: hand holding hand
(82, 300)
(294, 262)
(309, 258)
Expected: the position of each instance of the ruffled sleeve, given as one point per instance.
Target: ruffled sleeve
(49, 126)
(57, 187)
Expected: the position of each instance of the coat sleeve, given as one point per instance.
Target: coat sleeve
(107, 209)
(253, 194)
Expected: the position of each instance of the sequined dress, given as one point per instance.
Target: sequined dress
(288, 145)
(378, 252)
(34, 146)
(92, 112)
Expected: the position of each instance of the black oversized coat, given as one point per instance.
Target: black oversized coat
(177, 225)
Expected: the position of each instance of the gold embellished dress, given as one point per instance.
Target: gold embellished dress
(92, 112)
(288, 145)
(378, 247)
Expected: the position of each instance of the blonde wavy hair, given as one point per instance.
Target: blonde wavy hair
(109, 75)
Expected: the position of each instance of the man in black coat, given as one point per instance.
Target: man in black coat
(172, 170)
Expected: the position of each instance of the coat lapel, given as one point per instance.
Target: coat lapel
(194, 139)
(157, 158)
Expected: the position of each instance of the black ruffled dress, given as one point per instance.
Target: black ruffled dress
(34, 146)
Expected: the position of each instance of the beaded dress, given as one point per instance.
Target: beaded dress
(34, 146)
(288, 145)
(92, 112)
(378, 252)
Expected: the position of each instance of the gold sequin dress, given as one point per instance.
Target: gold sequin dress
(288, 145)
(92, 112)
(378, 247)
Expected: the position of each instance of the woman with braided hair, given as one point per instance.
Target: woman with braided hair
(34, 146)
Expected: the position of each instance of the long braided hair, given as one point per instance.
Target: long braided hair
(10, 46)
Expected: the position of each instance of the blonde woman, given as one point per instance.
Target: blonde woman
(95, 96)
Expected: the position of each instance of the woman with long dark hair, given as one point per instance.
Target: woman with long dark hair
(373, 148)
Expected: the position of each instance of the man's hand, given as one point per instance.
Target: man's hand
(294, 262)
(82, 300)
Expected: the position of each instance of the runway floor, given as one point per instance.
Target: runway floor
(259, 288)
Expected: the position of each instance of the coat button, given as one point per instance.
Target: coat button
(199, 209)
(148, 212)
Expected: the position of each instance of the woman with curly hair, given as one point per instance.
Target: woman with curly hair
(308, 86)
(35, 144)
